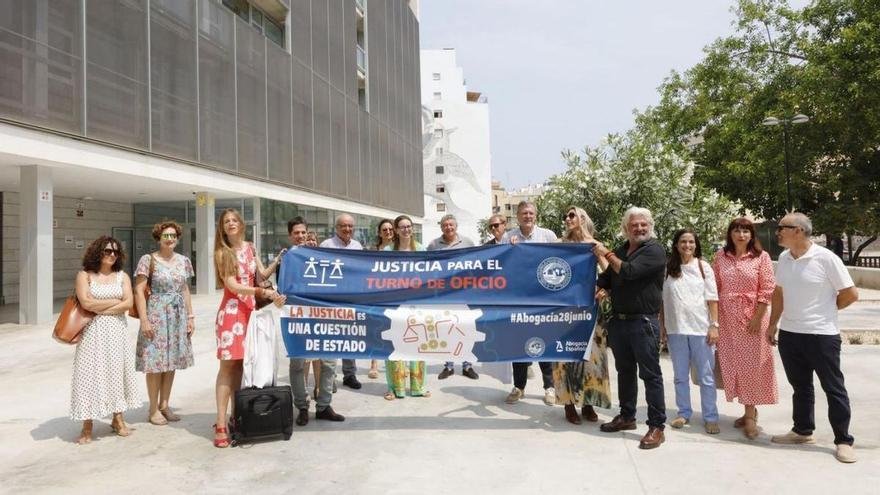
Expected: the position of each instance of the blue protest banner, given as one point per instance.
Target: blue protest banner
(492, 303)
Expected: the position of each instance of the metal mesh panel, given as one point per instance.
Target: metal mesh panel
(216, 85)
(300, 30)
(349, 48)
(173, 77)
(251, 98)
(321, 102)
(303, 157)
(320, 37)
(116, 75)
(278, 71)
(376, 56)
(41, 63)
(352, 134)
(336, 45)
(365, 189)
(374, 178)
(338, 160)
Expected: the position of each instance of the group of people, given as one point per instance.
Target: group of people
(727, 315)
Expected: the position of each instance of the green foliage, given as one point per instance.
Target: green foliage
(634, 169)
(822, 61)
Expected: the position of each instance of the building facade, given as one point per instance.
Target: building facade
(115, 114)
(457, 159)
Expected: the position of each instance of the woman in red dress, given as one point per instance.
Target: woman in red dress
(236, 264)
(745, 280)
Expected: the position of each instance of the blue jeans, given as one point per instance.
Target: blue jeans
(687, 350)
(464, 365)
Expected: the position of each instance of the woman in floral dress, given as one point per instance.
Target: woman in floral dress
(236, 263)
(167, 321)
(745, 280)
(584, 384)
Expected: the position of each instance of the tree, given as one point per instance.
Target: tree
(822, 61)
(635, 169)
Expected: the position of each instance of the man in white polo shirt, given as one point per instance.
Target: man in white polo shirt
(812, 285)
(344, 239)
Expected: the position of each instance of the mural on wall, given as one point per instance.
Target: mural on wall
(462, 190)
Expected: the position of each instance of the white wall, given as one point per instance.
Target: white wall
(99, 218)
(466, 159)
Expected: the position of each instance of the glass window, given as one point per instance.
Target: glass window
(274, 32)
(438, 169)
(438, 133)
(438, 95)
(257, 19)
(441, 206)
(441, 188)
(436, 76)
(438, 151)
(240, 7)
(438, 114)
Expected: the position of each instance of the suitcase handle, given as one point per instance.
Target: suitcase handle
(269, 408)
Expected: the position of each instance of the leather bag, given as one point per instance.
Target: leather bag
(148, 290)
(72, 321)
(259, 281)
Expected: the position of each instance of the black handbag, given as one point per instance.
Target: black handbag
(262, 412)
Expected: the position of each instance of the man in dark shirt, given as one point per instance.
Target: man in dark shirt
(634, 280)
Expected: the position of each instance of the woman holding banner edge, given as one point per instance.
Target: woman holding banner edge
(395, 371)
(583, 384)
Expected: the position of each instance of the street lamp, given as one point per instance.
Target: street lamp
(797, 119)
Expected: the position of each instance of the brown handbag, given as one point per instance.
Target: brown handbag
(148, 289)
(260, 282)
(71, 322)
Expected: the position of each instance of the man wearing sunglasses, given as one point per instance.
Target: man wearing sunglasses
(812, 285)
(497, 226)
(451, 240)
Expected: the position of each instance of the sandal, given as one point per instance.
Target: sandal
(390, 396)
(170, 416)
(119, 427)
(373, 374)
(85, 436)
(221, 443)
(741, 421)
(750, 427)
(158, 419)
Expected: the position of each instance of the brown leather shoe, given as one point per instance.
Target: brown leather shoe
(653, 438)
(302, 418)
(618, 424)
(589, 414)
(329, 414)
(571, 414)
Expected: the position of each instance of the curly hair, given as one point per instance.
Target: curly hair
(161, 226)
(91, 261)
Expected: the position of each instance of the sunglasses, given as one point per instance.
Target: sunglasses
(571, 215)
(780, 227)
(169, 236)
(111, 252)
(496, 225)
(388, 229)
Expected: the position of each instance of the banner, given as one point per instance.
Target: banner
(524, 302)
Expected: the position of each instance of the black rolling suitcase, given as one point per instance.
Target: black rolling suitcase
(262, 412)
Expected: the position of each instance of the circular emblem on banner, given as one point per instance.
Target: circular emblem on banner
(535, 347)
(554, 273)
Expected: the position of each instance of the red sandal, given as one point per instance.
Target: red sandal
(221, 443)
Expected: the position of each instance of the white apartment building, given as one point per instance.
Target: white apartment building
(457, 161)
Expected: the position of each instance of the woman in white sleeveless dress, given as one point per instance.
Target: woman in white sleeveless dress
(103, 368)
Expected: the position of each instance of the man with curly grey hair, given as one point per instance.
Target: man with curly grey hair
(634, 280)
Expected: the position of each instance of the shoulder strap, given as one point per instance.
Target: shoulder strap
(700, 264)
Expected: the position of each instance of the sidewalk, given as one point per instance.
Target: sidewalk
(464, 439)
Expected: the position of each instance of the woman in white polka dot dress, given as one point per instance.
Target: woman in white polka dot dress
(103, 368)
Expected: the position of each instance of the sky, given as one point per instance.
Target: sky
(563, 74)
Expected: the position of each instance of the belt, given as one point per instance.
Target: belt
(631, 316)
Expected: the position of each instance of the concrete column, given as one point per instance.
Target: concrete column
(257, 226)
(35, 248)
(204, 244)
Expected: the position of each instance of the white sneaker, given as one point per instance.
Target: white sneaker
(845, 453)
(550, 396)
(792, 438)
(514, 396)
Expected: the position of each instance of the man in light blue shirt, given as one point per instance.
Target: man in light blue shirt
(451, 240)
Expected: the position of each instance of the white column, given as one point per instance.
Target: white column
(35, 248)
(257, 226)
(204, 247)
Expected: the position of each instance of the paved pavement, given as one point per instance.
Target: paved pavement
(462, 440)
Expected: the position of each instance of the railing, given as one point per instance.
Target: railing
(868, 261)
(361, 59)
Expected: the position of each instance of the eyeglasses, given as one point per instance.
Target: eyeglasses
(387, 229)
(111, 252)
(496, 225)
(169, 236)
(780, 227)
(404, 227)
(571, 215)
